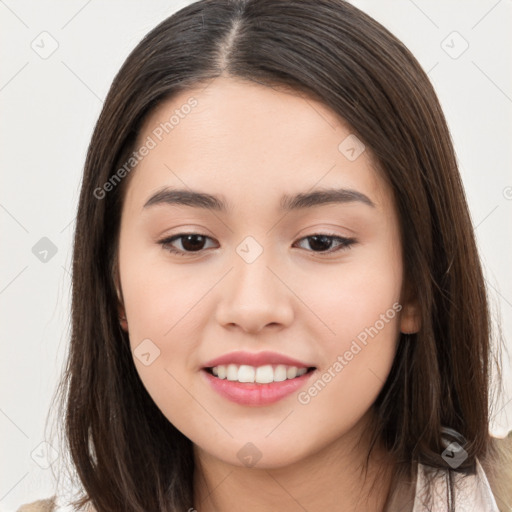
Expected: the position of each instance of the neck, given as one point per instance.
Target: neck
(330, 479)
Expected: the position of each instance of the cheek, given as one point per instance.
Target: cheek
(353, 296)
(159, 297)
(162, 314)
(356, 360)
(161, 307)
(360, 304)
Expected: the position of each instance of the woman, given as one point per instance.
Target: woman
(277, 296)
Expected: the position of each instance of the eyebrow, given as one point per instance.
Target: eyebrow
(299, 201)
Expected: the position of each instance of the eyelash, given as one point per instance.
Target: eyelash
(344, 243)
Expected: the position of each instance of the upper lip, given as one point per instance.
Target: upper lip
(255, 359)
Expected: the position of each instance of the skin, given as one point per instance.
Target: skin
(250, 144)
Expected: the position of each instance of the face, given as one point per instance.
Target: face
(265, 273)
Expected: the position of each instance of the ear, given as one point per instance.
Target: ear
(122, 313)
(120, 301)
(410, 318)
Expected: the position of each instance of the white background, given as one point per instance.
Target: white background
(48, 110)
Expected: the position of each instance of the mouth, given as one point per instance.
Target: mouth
(256, 379)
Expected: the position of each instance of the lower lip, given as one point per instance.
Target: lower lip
(256, 394)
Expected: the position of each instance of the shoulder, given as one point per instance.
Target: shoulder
(498, 469)
(471, 492)
(49, 505)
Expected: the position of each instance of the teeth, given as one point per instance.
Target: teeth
(245, 373)
(232, 372)
(291, 372)
(260, 374)
(280, 373)
(221, 371)
(264, 374)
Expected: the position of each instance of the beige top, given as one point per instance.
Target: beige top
(472, 494)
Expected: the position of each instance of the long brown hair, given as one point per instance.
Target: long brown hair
(127, 455)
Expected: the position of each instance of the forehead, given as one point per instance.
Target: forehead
(245, 138)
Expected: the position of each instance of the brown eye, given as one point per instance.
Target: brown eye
(190, 243)
(323, 243)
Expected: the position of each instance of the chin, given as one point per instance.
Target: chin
(260, 453)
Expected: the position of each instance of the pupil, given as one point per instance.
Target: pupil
(192, 242)
(321, 242)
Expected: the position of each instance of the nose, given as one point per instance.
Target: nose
(254, 296)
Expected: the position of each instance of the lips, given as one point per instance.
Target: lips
(256, 379)
(256, 359)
